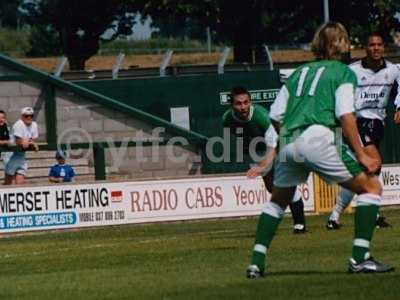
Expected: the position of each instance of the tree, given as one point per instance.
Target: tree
(236, 23)
(9, 15)
(43, 40)
(81, 24)
(246, 24)
(376, 15)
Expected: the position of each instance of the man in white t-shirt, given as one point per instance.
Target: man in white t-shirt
(24, 134)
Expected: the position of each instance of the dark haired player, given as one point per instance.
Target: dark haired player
(251, 122)
(376, 78)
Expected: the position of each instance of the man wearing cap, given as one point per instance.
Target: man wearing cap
(24, 134)
(61, 172)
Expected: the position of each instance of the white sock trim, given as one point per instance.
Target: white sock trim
(335, 216)
(361, 243)
(343, 199)
(260, 248)
(368, 199)
(273, 210)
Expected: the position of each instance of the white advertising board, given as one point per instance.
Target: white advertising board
(100, 204)
(390, 179)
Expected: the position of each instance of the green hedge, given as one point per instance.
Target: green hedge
(13, 42)
(153, 46)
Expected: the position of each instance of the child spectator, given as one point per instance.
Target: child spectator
(61, 172)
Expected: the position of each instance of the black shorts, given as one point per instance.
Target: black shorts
(371, 131)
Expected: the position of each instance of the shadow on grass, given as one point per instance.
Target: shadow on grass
(328, 273)
(302, 273)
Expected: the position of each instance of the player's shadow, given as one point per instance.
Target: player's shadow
(309, 272)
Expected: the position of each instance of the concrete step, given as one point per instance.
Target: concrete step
(45, 180)
(40, 154)
(44, 172)
(48, 162)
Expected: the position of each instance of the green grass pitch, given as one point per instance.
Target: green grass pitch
(194, 260)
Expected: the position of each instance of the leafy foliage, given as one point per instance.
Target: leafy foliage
(13, 42)
(43, 42)
(9, 14)
(81, 24)
(364, 17)
(247, 24)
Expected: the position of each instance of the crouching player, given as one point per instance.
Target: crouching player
(251, 121)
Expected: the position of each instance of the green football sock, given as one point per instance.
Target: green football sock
(266, 229)
(364, 225)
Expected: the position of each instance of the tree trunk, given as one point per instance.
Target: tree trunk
(260, 55)
(77, 49)
(242, 45)
(76, 63)
(246, 34)
(242, 53)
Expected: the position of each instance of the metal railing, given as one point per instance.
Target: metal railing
(98, 148)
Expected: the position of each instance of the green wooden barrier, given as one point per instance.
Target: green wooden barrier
(201, 93)
(390, 147)
(204, 95)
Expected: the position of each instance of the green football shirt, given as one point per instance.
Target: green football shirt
(312, 95)
(256, 125)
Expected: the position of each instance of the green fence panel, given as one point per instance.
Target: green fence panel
(206, 97)
(390, 147)
(202, 94)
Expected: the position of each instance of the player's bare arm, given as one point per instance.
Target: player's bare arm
(276, 125)
(263, 166)
(397, 117)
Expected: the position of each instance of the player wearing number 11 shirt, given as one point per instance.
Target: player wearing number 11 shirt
(317, 101)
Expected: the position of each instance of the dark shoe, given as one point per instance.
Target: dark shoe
(333, 225)
(368, 266)
(381, 223)
(254, 272)
(299, 229)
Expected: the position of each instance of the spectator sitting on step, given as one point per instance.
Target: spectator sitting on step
(4, 137)
(4, 131)
(61, 172)
(24, 134)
